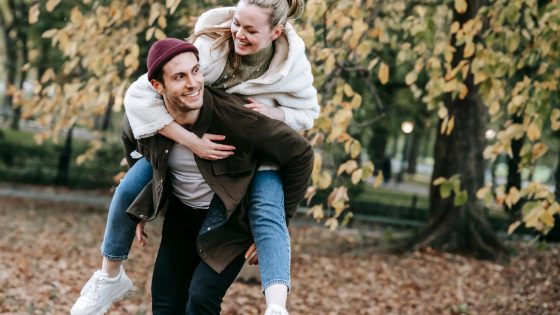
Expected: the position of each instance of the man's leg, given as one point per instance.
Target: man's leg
(208, 287)
(177, 258)
(268, 224)
(111, 283)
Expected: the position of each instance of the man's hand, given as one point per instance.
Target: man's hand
(251, 255)
(141, 236)
(206, 149)
(272, 112)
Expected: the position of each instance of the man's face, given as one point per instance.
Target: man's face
(183, 83)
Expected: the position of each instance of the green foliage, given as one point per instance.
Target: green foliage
(22, 160)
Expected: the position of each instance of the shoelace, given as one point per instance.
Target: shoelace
(90, 289)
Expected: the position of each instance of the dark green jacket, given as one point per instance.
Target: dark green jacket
(256, 138)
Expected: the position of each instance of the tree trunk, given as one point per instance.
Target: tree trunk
(514, 175)
(63, 169)
(414, 150)
(463, 228)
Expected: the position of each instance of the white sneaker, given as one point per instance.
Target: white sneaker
(100, 291)
(274, 309)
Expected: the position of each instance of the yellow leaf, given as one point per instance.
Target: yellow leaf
(378, 180)
(357, 176)
(547, 218)
(481, 193)
(463, 91)
(47, 75)
(356, 101)
(383, 74)
(455, 27)
(513, 226)
(34, 14)
(555, 119)
(443, 127)
(513, 197)
(330, 64)
(347, 167)
(539, 149)
(438, 181)
(534, 132)
(469, 49)
(461, 6)
(154, 12)
(348, 90)
(372, 64)
(150, 33)
(332, 224)
(355, 149)
(450, 125)
(325, 180)
(51, 4)
(411, 77)
(317, 212)
(50, 33)
(160, 34)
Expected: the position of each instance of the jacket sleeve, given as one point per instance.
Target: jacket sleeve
(299, 100)
(145, 109)
(129, 143)
(276, 142)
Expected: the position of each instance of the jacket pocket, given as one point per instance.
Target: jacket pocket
(231, 166)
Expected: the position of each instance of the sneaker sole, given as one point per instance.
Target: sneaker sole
(118, 297)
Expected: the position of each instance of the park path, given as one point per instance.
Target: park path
(95, 198)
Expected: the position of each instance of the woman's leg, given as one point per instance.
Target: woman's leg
(119, 231)
(111, 283)
(268, 223)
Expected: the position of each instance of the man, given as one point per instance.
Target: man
(195, 268)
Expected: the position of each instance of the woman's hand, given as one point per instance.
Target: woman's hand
(272, 112)
(141, 236)
(251, 255)
(206, 148)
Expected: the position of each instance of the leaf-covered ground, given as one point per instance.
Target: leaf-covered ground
(48, 250)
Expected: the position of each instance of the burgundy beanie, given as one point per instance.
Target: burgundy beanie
(164, 50)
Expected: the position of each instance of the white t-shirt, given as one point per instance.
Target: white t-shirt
(187, 181)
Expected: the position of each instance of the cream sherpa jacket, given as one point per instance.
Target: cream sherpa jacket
(288, 82)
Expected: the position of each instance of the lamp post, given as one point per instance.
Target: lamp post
(406, 127)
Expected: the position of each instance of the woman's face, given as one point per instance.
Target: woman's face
(251, 30)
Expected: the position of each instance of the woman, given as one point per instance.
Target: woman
(249, 50)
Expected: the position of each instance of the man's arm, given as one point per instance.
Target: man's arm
(274, 141)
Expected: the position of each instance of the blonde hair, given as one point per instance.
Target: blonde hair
(281, 11)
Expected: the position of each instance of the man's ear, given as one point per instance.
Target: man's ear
(158, 86)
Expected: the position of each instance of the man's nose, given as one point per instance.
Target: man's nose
(190, 81)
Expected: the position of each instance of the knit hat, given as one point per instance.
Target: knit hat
(164, 50)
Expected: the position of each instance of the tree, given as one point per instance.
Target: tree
(13, 21)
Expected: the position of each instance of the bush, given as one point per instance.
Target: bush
(21, 160)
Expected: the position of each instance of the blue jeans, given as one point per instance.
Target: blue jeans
(119, 231)
(267, 219)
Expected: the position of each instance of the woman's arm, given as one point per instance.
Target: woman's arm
(147, 116)
(203, 147)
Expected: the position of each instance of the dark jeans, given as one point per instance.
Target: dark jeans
(182, 283)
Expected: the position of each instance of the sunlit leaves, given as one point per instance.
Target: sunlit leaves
(383, 73)
(34, 12)
(51, 5)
